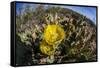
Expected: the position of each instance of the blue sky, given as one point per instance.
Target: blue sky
(89, 12)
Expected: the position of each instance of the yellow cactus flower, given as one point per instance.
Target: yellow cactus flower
(46, 49)
(53, 34)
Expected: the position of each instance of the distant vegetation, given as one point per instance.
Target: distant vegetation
(78, 45)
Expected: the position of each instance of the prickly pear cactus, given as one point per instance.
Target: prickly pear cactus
(57, 36)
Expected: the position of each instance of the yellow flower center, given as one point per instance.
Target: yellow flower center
(46, 49)
(53, 34)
